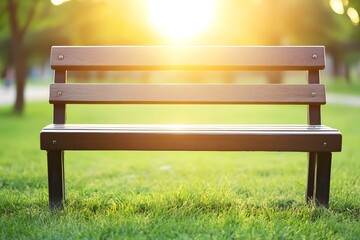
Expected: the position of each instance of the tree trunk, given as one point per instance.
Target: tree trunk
(21, 73)
(336, 64)
(18, 56)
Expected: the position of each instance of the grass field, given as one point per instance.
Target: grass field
(175, 195)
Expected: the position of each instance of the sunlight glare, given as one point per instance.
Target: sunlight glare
(58, 2)
(353, 15)
(337, 6)
(181, 19)
(177, 127)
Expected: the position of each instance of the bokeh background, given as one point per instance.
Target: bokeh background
(175, 195)
(28, 28)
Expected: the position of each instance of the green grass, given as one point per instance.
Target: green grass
(175, 195)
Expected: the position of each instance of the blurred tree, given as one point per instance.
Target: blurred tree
(20, 15)
(108, 23)
(18, 30)
(295, 22)
(346, 50)
(22, 19)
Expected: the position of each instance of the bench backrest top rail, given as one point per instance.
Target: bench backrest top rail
(188, 93)
(187, 58)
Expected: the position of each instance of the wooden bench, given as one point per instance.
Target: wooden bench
(316, 139)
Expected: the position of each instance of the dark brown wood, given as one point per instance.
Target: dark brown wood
(322, 182)
(187, 58)
(314, 118)
(188, 93)
(59, 116)
(316, 139)
(310, 187)
(301, 138)
(56, 179)
(60, 76)
(313, 77)
(314, 115)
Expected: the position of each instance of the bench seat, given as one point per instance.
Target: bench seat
(317, 140)
(229, 137)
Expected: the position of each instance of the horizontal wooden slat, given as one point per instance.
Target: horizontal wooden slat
(188, 93)
(301, 138)
(187, 58)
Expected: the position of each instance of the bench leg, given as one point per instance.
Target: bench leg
(322, 181)
(318, 182)
(311, 177)
(55, 160)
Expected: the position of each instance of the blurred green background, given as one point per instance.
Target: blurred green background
(175, 195)
(28, 28)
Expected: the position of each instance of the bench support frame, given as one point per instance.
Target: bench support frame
(56, 179)
(55, 159)
(319, 163)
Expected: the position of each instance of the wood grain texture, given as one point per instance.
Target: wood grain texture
(314, 118)
(318, 140)
(300, 138)
(314, 111)
(187, 58)
(188, 93)
(59, 113)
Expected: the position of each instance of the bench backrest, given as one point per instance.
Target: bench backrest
(310, 59)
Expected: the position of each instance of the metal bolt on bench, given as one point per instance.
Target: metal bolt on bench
(316, 139)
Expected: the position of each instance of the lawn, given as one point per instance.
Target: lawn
(175, 195)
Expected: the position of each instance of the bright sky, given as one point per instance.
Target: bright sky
(179, 20)
(182, 20)
(58, 2)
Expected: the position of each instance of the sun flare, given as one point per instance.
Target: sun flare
(180, 19)
(58, 2)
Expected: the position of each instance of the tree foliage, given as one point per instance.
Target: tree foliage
(125, 22)
(17, 22)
